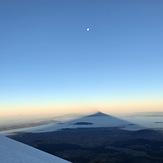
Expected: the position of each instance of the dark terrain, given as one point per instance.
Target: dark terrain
(99, 145)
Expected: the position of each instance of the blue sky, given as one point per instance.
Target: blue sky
(47, 57)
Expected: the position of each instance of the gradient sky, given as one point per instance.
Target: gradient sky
(50, 63)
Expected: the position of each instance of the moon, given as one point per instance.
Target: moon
(88, 29)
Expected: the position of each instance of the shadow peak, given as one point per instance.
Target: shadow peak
(98, 114)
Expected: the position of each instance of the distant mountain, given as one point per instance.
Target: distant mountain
(14, 152)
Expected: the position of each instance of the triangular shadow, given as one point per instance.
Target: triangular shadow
(95, 120)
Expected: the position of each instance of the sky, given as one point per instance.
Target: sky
(51, 64)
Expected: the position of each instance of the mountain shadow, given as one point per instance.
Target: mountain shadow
(98, 138)
(94, 120)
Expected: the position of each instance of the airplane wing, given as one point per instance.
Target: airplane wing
(12, 151)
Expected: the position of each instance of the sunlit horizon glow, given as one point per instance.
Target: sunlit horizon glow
(83, 108)
(51, 65)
